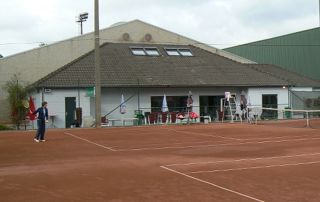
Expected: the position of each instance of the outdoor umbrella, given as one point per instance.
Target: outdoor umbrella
(123, 107)
(164, 107)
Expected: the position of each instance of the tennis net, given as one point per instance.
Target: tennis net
(284, 117)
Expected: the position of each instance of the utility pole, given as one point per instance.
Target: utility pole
(97, 65)
(82, 18)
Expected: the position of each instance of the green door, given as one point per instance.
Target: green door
(70, 104)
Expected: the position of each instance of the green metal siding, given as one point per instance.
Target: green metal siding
(299, 52)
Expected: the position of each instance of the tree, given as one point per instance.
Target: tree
(17, 97)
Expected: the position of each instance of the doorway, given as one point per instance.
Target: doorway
(269, 101)
(70, 105)
(209, 105)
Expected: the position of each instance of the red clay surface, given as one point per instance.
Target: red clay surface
(215, 162)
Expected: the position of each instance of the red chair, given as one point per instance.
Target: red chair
(193, 116)
(173, 117)
(181, 116)
(164, 117)
(153, 117)
(104, 121)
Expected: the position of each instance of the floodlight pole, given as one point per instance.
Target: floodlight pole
(81, 29)
(82, 18)
(97, 65)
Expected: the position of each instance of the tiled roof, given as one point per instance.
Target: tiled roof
(293, 78)
(120, 68)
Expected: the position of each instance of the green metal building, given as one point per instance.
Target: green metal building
(298, 52)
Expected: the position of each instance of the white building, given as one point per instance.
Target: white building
(143, 73)
(34, 64)
(144, 62)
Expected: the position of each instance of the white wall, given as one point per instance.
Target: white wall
(255, 96)
(56, 103)
(111, 98)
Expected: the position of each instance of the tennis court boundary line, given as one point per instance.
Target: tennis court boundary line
(245, 159)
(216, 145)
(255, 167)
(86, 140)
(212, 184)
(201, 134)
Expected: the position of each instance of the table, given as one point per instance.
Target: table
(52, 117)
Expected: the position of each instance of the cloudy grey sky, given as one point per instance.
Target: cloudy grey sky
(222, 23)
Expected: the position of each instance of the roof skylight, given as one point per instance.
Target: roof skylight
(172, 51)
(185, 52)
(152, 51)
(179, 52)
(138, 51)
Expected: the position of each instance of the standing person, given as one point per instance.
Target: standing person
(41, 121)
(243, 106)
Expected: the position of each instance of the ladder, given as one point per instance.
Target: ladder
(229, 108)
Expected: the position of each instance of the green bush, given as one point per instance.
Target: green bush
(3, 127)
(17, 97)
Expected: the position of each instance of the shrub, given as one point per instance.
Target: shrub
(17, 97)
(3, 127)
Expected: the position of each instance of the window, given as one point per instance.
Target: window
(175, 103)
(138, 51)
(172, 51)
(185, 52)
(152, 51)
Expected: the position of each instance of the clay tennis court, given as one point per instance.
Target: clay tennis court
(214, 162)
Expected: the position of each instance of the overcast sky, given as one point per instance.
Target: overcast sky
(25, 24)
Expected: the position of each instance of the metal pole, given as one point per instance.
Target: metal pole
(17, 100)
(78, 93)
(42, 95)
(97, 65)
(138, 94)
(81, 30)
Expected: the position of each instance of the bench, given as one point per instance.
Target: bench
(111, 122)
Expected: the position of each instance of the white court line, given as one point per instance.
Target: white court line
(212, 184)
(217, 145)
(237, 160)
(256, 167)
(175, 143)
(99, 145)
(201, 134)
(221, 141)
(278, 137)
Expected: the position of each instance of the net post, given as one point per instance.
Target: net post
(308, 125)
